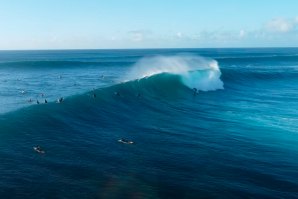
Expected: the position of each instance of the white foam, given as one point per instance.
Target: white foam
(196, 72)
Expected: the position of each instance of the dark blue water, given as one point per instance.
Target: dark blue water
(236, 138)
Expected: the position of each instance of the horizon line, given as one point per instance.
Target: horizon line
(74, 49)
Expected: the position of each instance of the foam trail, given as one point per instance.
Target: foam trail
(195, 72)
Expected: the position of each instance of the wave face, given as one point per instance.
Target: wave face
(236, 137)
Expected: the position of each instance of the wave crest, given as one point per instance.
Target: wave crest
(194, 71)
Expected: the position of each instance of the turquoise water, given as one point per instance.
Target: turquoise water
(236, 138)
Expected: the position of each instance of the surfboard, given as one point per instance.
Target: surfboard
(125, 141)
(38, 150)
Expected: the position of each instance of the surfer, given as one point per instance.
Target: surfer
(124, 141)
(94, 95)
(45, 101)
(60, 100)
(117, 93)
(30, 100)
(195, 91)
(37, 102)
(38, 149)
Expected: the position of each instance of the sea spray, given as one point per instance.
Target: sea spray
(195, 72)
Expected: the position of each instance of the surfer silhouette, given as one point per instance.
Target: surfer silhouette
(124, 141)
(117, 93)
(60, 100)
(195, 91)
(38, 149)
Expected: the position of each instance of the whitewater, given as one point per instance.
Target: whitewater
(236, 137)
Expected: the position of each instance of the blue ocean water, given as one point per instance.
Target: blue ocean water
(237, 137)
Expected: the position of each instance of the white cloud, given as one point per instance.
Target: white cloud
(113, 38)
(242, 33)
(136, 36)
(221, 36)
(276, 32)
(139, 35)
(280, 25)
(179, 34)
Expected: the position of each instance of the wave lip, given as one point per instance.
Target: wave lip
(194, 71)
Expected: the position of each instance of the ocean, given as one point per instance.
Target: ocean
(205, 123)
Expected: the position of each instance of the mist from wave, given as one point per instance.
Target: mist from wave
(195, 71)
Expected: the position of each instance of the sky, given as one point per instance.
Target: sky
(112, 24)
